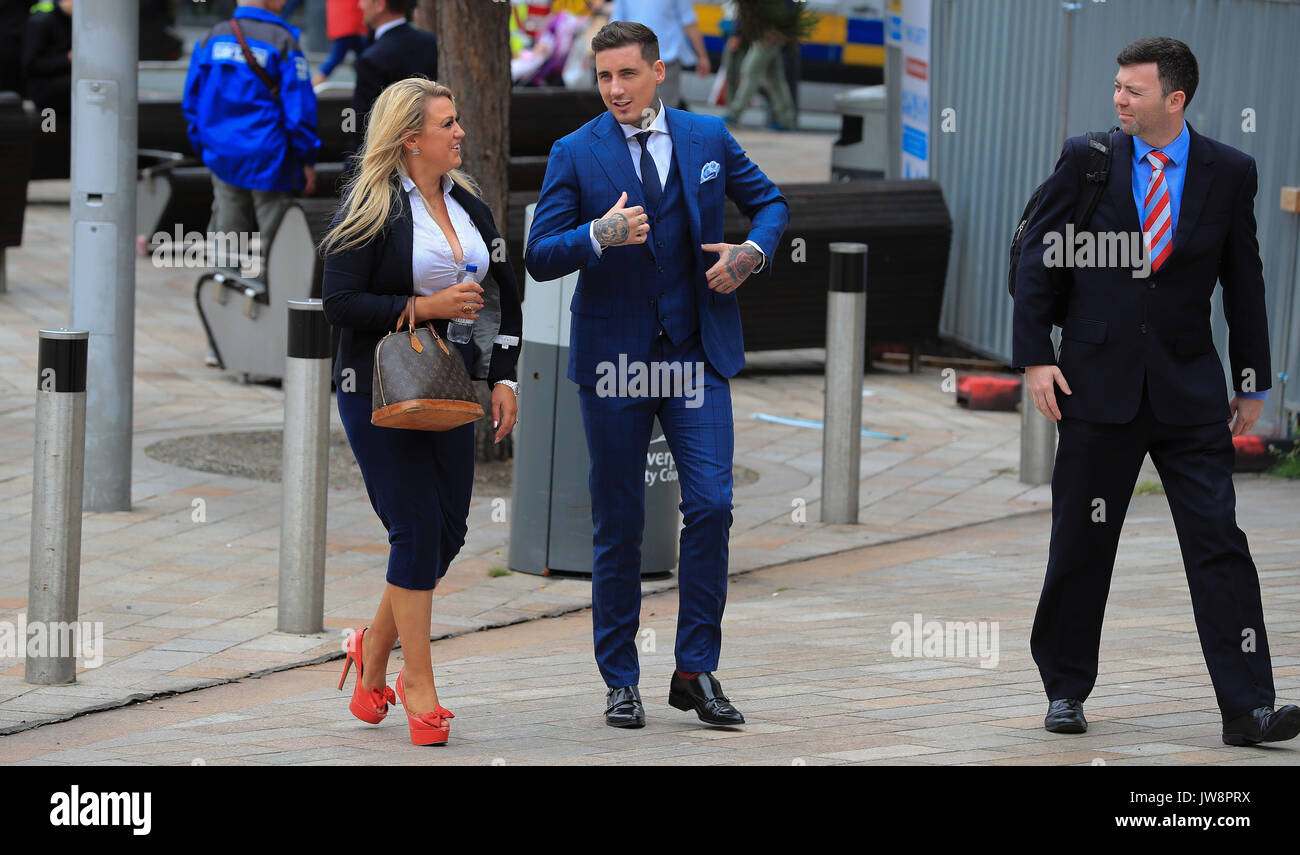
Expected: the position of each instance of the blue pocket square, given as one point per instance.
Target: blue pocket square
(710, 171)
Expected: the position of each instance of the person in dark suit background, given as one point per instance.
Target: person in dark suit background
(13, 20)
(47, 59)
(409, 229)
(399, 51)
(1138, 373)
(634, 201)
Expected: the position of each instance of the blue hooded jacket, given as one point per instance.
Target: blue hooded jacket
(248, 137)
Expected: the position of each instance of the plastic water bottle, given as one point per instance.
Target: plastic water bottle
(459, 329)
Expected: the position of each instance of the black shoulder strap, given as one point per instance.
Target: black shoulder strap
(261, 72)
(1101, 151)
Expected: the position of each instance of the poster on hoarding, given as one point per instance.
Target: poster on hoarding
(915, 95)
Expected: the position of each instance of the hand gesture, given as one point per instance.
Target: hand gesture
(734, 264)
(622, 226)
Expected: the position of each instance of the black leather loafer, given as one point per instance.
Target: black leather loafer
(1065, 716)
(623, 708)
(704, 695)
(1263, 725)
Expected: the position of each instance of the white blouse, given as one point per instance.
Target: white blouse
(433, 263)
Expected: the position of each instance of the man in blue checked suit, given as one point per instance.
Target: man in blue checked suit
(634, 200)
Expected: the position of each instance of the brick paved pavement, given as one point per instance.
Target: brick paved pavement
(807, 657)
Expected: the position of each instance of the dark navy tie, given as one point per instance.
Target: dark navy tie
(654, 191)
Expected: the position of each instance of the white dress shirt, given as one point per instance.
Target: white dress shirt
(433, 263)
(661, 152)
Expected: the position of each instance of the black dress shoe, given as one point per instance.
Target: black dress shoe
(704, 695)
(1065, 716)
(623, 708)
(1263, 725)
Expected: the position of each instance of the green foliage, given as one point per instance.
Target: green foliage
(1288, 464)
(498, 571)
(791, 20)
(1148, 488)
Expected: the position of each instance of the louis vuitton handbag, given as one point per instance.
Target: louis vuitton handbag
(419, 383)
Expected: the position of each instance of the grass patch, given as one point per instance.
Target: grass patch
(499, 571)
(1148, 488)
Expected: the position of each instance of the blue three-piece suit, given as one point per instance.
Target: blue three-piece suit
(651, 303)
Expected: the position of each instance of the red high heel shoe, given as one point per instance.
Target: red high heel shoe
(431, 728)
(369, 705)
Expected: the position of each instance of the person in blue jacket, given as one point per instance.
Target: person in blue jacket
(254, 127)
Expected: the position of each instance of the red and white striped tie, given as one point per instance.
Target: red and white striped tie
(1157, 230)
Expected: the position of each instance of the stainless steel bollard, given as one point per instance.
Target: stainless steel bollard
(54, 568)
(846, 341)
(1037, 441)
(304, 471)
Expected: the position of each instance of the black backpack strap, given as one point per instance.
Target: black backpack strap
(1101, 151)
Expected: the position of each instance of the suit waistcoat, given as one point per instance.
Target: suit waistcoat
(672, 280)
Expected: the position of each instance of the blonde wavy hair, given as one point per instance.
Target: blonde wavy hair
(372, 194)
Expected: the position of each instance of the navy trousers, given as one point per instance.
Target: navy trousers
(420, 483)
(702, 441)
(1097, 461)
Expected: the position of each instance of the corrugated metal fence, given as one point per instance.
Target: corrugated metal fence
(1023, 74)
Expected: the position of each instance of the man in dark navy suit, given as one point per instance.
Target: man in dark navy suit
(634, 200)
(399, 51)
(1139, 374)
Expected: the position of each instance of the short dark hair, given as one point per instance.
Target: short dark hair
(1175, 64)
(616, 34)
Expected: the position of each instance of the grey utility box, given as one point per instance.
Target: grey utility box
(861, 150)
(550, 519)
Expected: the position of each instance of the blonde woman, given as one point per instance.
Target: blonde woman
(412, 224)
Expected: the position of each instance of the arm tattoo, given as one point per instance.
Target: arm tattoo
(741, 262)
(612, 230)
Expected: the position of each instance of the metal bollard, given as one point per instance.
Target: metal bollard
(846, 341)
(1037, 441)
(304, 470)
(54, 568)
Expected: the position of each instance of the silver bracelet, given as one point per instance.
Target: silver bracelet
(509, 384)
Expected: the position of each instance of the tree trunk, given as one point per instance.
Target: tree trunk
(474, 62)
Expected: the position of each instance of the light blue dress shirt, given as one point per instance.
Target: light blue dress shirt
(666, 18)
(1175, 177)
(1175, 174)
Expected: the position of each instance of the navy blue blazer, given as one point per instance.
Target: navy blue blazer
(402, 52)
(365, 288)
(586, 173)
(1120, 331)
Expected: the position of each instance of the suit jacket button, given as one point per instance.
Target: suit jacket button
(1142, 328)
(661, 270)
(661, 244)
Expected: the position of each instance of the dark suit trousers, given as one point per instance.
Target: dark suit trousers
(1097, 461)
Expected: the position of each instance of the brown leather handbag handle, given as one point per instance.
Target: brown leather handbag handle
(410, 328)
